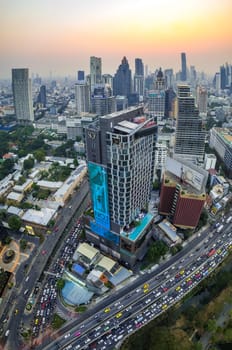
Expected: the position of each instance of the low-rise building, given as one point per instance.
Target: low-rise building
(170, 233)
(39, 219)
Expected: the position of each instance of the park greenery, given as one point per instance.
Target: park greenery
(156, 250)
(4, 278)
(81, 308)
(57, 321)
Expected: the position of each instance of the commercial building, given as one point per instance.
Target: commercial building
(182, 194)
(190, 136)
(22, 93)
(120, 153)
(221, 141)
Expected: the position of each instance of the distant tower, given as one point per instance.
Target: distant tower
(82, 92)
(80, 75)
(95, 71)
(183, 67)
(190, 137)
(223, 77)
(139, 77)
(168, 74)
(122, 79)
(22, 93)
(42, 98)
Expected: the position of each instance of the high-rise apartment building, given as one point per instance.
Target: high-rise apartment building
(182, 194)
(120, 154)
(82, 96)
(95, 71)
(183, 67)
(139, 77)
(22, 93)
(190, 136)
(122, 79)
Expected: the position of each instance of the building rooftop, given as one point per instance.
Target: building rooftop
(169, 230)
(106, 263)
(15, 196)
(39, 217)
(87, 250)
(50, 184)
(21, 188)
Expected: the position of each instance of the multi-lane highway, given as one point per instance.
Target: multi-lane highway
(147, 297)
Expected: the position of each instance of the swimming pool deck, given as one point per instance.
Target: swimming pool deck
(134, 234)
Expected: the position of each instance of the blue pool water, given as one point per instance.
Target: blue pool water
(133, 235)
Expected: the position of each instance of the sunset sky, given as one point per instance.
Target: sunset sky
(59, 36)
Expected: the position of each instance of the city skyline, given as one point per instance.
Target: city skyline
(58, 39)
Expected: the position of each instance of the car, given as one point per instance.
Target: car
(118, 315)
(107, 310)
(145, 290)
(77, 334)
(16, 311)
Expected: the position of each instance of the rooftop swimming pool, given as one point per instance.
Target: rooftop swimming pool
(136, 232)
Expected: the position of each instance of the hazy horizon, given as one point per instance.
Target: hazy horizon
(59, 38)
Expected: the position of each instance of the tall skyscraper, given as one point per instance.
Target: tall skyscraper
(122, 79)
(95, 71)
(22, 93)
(223, 77)
(169, 78)
(183, 67)
(190, 137)
(120, 153)
(82, 92)
(139, 77)
(139, 67)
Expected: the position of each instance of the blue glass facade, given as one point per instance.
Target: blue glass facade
(99, 193)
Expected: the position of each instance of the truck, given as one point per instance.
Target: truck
(228, 219)
(219, 228)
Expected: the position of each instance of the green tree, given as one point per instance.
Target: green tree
(28, 163)
(211, 325)
(14, 222)
(23, 244)
(60, 284)
(39, 155)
